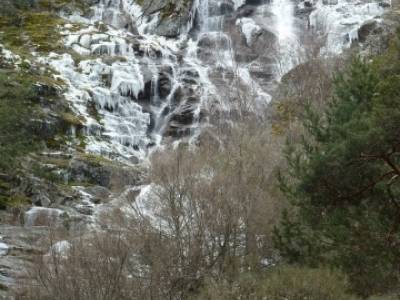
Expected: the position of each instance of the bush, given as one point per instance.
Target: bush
(296, 283)
(287, 282)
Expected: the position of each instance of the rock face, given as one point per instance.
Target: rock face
(139, 74)
(366, 29)
(374, 37)
(174, 15)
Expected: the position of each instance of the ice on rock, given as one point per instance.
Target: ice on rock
(102, 97)
(4, 248)
(81, 50)
(261, 98)
(340, 22)
(99, 37)
(9, 56)
(249, 28)
(238, 3)
(60, 248)
(148, 205)
(71, 39)
(103, 49)
(42, 216)
(124, 71)
(127, 80)
(85, 40)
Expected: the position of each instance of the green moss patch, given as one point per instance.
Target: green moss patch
(29, 31)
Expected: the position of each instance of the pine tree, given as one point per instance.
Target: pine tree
(343, 181)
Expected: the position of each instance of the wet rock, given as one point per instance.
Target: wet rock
(136, 46)
(308, 3)
(45, 90)
(87, 171)
(17, 245)
(41, 199)
(185, 113)
(123, 20)
(366, 29)
(171, 27)
(223, 8)
(265, 73)
(257, 2)
(191, 73)
(101, 50)
(211, 41)
(103, 172)
(164, 84)
(86, 210)
(43, 216)
(263, 41)
(99, 194)
(384, 4)
(175, 15)
(262, 44)
(212, 46)
(330, 2)
(177, 97)
(146, 94)
(245, 11)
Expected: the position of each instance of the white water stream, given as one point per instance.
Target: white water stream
(136, 90)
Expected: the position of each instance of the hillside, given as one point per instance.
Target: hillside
(199, 149)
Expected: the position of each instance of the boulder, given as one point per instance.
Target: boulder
(366, 29)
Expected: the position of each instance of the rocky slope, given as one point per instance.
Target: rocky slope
(115, 80)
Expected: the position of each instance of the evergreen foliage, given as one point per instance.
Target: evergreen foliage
(343, 181)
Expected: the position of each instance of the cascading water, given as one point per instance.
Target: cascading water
(288, 55)
(135, 89)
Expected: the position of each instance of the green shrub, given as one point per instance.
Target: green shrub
(282, 283)
(296, 283)
(385, 297)
(16, 111)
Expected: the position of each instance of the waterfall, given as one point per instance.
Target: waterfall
(288, 54)
(146, 87)
(137, 90)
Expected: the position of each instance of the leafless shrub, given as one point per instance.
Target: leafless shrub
(209, 212)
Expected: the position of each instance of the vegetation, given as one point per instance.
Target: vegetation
(343, 180)
(214, 225)
(17, 109)
(34, 25)
(209, 222)
(284, 282)
(26, 31)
